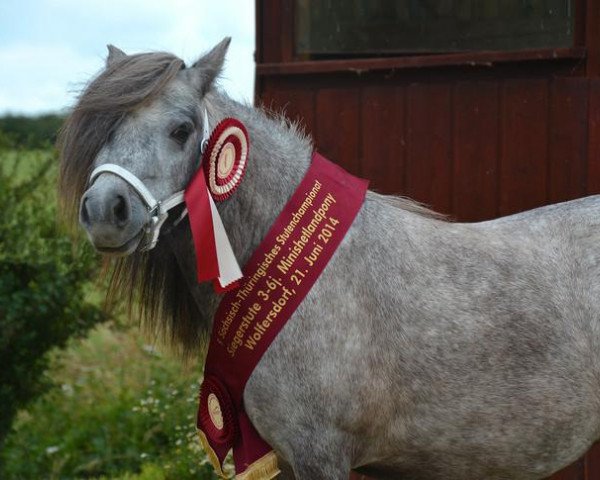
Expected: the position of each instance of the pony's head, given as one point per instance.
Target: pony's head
(143, 114)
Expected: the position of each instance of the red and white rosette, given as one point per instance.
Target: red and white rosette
(216, 422)
(225, 158)
(223, 166)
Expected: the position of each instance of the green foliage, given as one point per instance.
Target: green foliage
(117, 409)
(30, 132)
(123, 411)
(6, 141)
(42, 279)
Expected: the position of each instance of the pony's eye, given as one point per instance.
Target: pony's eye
(181, 133)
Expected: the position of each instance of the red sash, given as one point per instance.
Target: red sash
(276, 279)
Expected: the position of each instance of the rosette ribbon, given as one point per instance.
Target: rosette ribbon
(223, 165)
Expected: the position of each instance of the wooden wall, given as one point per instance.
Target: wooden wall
(473, 148)
(475, 136)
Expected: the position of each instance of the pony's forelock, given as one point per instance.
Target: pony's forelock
(103, 104)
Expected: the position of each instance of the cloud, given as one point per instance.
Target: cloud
(32, 82)
(204, 27)
(49, 48)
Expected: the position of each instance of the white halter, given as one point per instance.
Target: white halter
(158, 210)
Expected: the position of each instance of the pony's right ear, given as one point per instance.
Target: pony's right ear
(114, 55)
(208, 67)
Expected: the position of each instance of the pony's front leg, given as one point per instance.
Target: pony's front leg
(312, 469)
(311, 461)
(286, 470)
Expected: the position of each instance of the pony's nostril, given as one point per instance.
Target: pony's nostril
(120, 210)
(85, 216)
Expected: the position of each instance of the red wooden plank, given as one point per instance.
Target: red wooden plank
(572, 56)
(592, 463)
(337, 126)
(383, 142)
(592, 40)
(358, 476)
(269, 14)
(287, 30)
(429, 145)
(568, 139)
(576, 471)
(475, 151)
(297, 104)
(580, 14)
(524, 145)
(593, 180)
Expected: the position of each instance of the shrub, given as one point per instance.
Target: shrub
(43, 279)
(123, 411)
(118, 409)
(31, 132)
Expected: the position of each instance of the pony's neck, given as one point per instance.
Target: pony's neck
(278, 159)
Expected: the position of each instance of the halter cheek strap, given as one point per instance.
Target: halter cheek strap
(158, 210)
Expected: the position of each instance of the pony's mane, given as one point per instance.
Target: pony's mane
(412, 206)
(151, 283)
(154, 288)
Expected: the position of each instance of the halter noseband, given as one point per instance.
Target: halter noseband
(158, 210)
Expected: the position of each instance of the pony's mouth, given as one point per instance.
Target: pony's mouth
(125, 249)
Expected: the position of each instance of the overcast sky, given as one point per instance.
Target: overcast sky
(50, 48)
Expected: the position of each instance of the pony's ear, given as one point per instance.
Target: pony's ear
(208, 67)
(114, 55)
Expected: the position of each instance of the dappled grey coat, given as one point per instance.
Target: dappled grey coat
(426, 350)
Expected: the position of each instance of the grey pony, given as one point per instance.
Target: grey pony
(426, 350)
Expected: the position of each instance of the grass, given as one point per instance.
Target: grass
(120, 409)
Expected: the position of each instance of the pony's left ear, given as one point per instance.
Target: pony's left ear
(208, 67)
(114, 55)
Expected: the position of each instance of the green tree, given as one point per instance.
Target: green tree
(43, 279)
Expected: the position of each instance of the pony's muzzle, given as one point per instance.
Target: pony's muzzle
(110, 219)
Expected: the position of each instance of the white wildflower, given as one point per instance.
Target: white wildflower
(52, 449)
